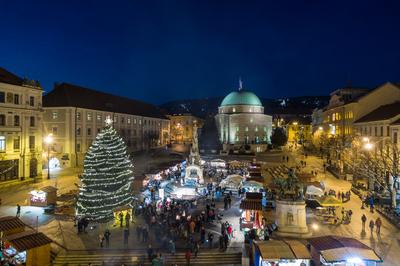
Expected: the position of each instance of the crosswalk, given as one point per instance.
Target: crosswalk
(135, 258)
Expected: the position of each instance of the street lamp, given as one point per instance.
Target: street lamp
(48, 140)
(368, 146)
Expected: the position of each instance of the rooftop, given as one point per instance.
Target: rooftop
(28, 240)
(10, 222)
(241, 97)
(383, 112)
(69, 95)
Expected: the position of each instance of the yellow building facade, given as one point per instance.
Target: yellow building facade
(182, 127)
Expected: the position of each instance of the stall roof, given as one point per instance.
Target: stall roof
(279, 249)
(345, 253)
(331, 242)
(10, 222)
(251, 204)
(326, 201)
(28, 240)
(254, 195)
(48, 189)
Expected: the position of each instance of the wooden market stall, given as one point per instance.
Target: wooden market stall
(43, 197)
(29, 248)
(337, 250)
(11, 225)
(251, 207)
(279, 252)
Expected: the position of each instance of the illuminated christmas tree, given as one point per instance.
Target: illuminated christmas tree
(107, 177)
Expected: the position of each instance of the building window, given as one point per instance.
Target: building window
(134, 121)
(16, 120)
(89, 131)
(16, 99)
(395, 137)
(16, 143)
(381, 131)
(128, 120)
(251, 120)
(2, 97)
(78, 116)
(54, 115)
(32, 101)
(78, 131)
(54, 130)
(89, 116)
(256, 129)
(140, 121)
(98, 130)
(32, 121)
(122, 120)
(387, 131)
(237, 129)
(233, 109)
(247, 129)
(2, 120)
(129, 132)
(2, 143)
(31, 142)
(134, 132)
(99, 118)
(376, 131)
(78, 147)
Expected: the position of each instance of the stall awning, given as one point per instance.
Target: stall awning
(329, 201)
(282, 250)
(346, 253)
(8, 223)
(28, 240)
(250, 204)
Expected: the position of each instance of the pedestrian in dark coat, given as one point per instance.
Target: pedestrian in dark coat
(126, 236)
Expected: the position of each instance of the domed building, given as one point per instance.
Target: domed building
(241, 122)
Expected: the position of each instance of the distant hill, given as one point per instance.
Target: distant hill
(209, 106)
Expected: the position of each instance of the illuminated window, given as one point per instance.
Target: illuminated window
(237, 129)
(128, 120)
(54, 115)
(99, 117)
(247, 129)
(233, 109)
(251, 120)
(256, 129)
(89, 116)
(2, 143)
(78, 116)
(134, 120)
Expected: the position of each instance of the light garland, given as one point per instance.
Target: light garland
(107, 177)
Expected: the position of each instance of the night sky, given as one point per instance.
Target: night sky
(164, 50)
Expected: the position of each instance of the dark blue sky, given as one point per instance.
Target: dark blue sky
(162, 50)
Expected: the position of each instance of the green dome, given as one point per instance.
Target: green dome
(241, 98)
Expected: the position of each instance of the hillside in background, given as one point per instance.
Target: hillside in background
(209, 106)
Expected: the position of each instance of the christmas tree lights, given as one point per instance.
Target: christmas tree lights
(107, 177)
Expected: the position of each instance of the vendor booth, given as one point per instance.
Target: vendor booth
(280, 252)
(232, 183)
(251, 207)
(123, 210)
(218, 163)
(11, 225)
(43, 197)
(314, 191)
(343, 251)
(28, 248)
(252, 186)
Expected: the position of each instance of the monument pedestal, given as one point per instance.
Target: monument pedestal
(291, 219)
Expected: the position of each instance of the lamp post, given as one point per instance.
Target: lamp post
(48, 140)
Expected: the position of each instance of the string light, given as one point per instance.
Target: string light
(107, 177)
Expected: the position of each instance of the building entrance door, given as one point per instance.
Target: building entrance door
(33, 167)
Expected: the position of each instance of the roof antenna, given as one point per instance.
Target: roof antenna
(240, 84)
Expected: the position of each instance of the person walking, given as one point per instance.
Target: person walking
(378, 224)
(363, 220)
(139, 232)
(229, 201)
(210, 240)
(202, 235)
(126, 237)
(172, 247)
(150, 253)
(18, 210)
(101, 240)
(371, 226)
(107, 235)
(127, 219)
(121, 218)
(188, 256)
(226, 241)
(196, 248)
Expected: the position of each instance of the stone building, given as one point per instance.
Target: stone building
(20, 127)
(241, 122)
(182, 127)
(74, 115)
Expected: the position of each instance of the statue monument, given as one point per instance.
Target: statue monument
(291, 207)
(194, 172)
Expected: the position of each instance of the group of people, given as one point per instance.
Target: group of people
(372, 224)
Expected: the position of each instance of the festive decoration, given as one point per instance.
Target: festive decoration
(107, 177)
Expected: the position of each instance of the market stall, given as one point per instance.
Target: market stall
(11, 225)
(28, 248)
(313, 191)
(218, 163)
(43, 197)
(123, 210)
(346, 251)
(251, 207)
(252, 186)
(232, 183)
(280, 252)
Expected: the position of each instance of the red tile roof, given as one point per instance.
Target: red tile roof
(69, 95)
(383, 112)
(10, 222)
